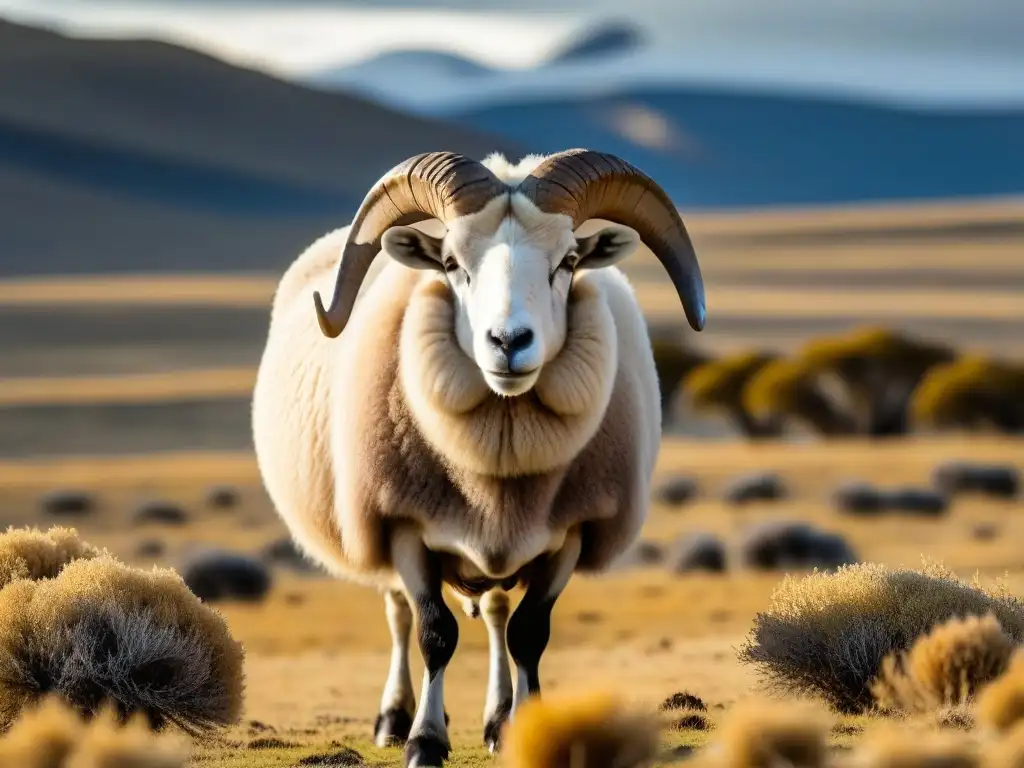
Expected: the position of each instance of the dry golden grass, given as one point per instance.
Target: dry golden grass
(51, 735)
(892, 746)
(946, 667)
(35, 554)
(102, 633)
(827, 634)
(762, 733)
(140, 388)
(594, 730)
(1000, 706)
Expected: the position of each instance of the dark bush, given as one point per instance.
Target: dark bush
(150, 548)
(214, 575)
(1000, 481)
(676, 491)
(697, 552)
(68, 502)
(159, 512)
(683, 700)
(758, 487)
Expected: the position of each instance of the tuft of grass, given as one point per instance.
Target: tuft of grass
(29, 553)
(891, 746)
(827, 633)
(583, 731)
(103, 633)
(971, 393)
(946, 667)
(1000, 706)
(52, 735)
(768, 734)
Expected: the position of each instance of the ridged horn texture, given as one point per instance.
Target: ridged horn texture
(433, 185)
(584, 184)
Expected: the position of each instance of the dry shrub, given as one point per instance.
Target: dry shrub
(673, 361)
(29, 553)
(891, 746)
(1000, 706)
(768, 734)
(787, 388)
(827, 634)
(582, 731)
(971, 392)
(54, 736)
(1007, 752)
(721, 382)
(105, 633)
(945, 668)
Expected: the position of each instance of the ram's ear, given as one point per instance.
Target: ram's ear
(414, 249)
(607, 247)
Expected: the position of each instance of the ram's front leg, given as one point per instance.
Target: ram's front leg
(530, 626)
(438, 633)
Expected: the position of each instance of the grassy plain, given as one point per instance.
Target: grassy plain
(317, 650)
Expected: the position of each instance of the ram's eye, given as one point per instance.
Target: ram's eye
(566, 265)
(450, 264)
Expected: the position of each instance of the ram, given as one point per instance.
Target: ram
(479, 411)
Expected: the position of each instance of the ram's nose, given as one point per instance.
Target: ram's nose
(510, 342)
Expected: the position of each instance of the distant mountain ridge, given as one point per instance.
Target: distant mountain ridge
(139, 156)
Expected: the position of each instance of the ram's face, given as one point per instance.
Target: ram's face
(510, 268)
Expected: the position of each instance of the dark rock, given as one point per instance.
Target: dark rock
(284, 552)
(985, 532)
(676, 491)
(68, 502)
(644, 553)
(220, 575)
(858, 498)
(999, 481)
(697, 552)
(917, 501)
(223, 497)
(150, 548)
(159, 512)
(750, 488)
(781, 545)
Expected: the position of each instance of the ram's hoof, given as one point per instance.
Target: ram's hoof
(495, 725)
(392, 727)
(426, 751)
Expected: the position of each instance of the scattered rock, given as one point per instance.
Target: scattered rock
(750, 488)
(150, 548)
(985, 532)
(589, 617)
(643, 553)
(223, 497)
(159, 512)
(918, 501)
(782, 545)
(697, 552)
(284, 552)
(220, 575)
(676, 491)
(346, 756)
(859, 498)
(1000, 481)
(68, 502)
(683, 700)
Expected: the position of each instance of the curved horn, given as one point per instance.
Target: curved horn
(585, 184)
(434, 185)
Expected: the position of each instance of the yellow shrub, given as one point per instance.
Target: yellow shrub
(35, 554)
(721, 382)
(581, 731)
(946, 667)
(768, 734)
(828, 633)
(102, 632)
(1000, 705)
